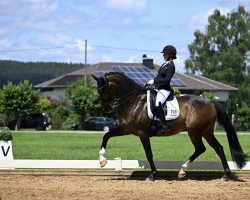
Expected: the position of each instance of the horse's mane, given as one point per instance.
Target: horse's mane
(122, 75)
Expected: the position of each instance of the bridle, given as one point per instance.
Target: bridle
(123, 99)
(106, 83)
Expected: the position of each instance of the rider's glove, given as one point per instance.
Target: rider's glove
(151, 82)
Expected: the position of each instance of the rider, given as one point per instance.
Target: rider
(162, 82)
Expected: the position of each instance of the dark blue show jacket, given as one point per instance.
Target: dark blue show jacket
(163, 78)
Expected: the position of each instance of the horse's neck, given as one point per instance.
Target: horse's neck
(126, 90)
(131, 109)
(125, 87)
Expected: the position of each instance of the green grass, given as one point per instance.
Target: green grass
(80, 146)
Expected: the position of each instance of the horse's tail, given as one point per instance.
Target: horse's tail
(235, 148)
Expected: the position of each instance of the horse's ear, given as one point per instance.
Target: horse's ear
(95, 77)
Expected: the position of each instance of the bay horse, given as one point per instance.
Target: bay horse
(197, 116)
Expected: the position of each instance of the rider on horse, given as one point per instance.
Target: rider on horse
(198, 117)
(162, 82)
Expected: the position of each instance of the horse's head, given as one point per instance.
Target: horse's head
(105, 90)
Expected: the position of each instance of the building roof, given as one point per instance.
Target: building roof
(198, 82)
(192, 82)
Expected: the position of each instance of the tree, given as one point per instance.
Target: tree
(176, 91)
(43, 105)
(59, 115)
(3, 116)
(221, 52)
(35, 72)
(18, 100)
(208, 95)
(243, 116)
(84, 98)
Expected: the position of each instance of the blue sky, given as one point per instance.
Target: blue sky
(116, 30)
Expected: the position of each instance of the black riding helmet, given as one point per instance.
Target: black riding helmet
(170, 49)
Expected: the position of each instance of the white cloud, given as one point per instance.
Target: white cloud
(132, 59)
(127, 20)
(27, 8)
(227, 2)
(25, 46)
(38, 25)
(180, 63)
(126, 5)
(54, 39)
(5, 44)
(81, 45)
(106, 58)
(2, 31)
(200, 20)
(54, 53)
(182, 55)
(42, 5)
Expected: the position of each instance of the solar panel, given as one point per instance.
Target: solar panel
(101, 73)
(141, 75)
(175, 81)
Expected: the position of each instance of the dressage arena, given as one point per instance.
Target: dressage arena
(107, 184)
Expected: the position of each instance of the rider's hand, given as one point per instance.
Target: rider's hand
(151, 82)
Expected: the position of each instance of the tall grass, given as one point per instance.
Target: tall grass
(76, 146)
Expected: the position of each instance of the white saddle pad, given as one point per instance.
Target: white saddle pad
(172, 107)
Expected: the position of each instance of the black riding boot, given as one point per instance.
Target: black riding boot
(161, 116)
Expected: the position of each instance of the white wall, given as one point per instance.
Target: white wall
(222, 95)
(58, 93)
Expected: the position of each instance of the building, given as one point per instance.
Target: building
(193, 84)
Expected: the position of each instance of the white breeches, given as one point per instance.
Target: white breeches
(161, 97)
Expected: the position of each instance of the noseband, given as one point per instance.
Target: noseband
(105, 85)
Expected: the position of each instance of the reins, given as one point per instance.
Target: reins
(123, 99)
(102, 87)
(133, 93)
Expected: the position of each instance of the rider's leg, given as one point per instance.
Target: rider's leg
(161, 97)
(162, 118)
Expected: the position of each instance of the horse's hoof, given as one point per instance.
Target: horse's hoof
(103, 163)
(225, 178)
(150, 177)
(181, 174)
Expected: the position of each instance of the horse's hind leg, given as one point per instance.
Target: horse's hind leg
(199, 149)
(145, 140)
(213, 142)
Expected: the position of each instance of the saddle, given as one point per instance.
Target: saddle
(170, 106)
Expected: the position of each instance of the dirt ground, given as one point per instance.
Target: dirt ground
(40, 185)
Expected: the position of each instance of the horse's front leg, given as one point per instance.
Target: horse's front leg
(145, 140)
(106, 137)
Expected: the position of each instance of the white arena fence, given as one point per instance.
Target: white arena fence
(116, 164)
(8, 162)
